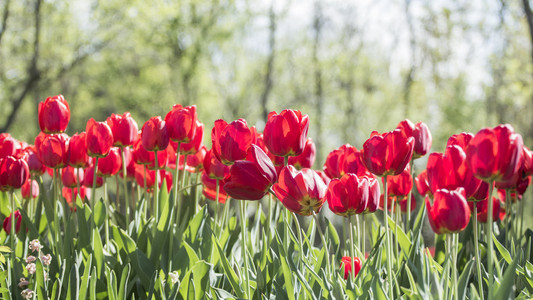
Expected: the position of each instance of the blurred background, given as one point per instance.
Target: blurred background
(352, 66)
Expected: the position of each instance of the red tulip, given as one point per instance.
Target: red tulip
(520, 177)
(498, 210)
(301, 192)
(99, 138)
(140, 155)
(400, 185)
(353, 163)
(150, 178)
(196, 161)
(334, 165)
(34, 163)
(69, 176)
(30, 189)
(54, 114)
(394, 201)
(111, 164)
(324, 177)
(53, 150)
(181, 123)
(285, 133)
(353, 195)
(422, 184)
(251, 179)
(88, 178)
(124, 129)
(450, 212)
(278, 161)
(462, 140)
(231, 141)
(77, 151)
(450, 171)
(482, 192)
(70, 197)
(37, 143)
(495, 153)
(213, 167)
(209, 189)
(388, 153)
(7, 222)
(8, 145)
(347, 263)
(420, 132)
(154, 135)
(307, 158)
(195, 144)
(13, 173)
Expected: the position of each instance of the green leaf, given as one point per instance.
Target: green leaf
(199, 276)
(100, 213)
(507, 284)
(464, 278)
(504, 253)
(228, 271)
(111, 283)
(5, 249)
(403, 240)
(85, 278)
(122, 291)
(73, 283)
(98, 253)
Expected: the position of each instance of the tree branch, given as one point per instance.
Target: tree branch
(4, 19)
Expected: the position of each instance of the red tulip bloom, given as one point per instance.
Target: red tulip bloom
(124, 129)
(449, 170)
(307, 158)
(450, 212)
(37, 143)
(498, 210)
(69, 176)
(14, 172)
(252, 178)
(353, 195)
(495, 153)
(34, 163)
(462, 140)
(347, 263)
(231, 141)
(324, 177)
(53, 150)
(388, 153)
(99, 138)
(278, 161)
(7, 222)
(77, 151)
(181, 123)
(285, 133)
(30, 189)
(400, 185)
(395, 201)
(214, 168)
(88, 178)
(334, 165)
(54, 114)
(353, 163)
(195, 144)
(420, 132)
(301, 192)
(196, 161)
(150, 178)
(71, 198)
(140, 155)
(154, 135)
(111, 164)
(519, 178)
(209, 189)
(422, 184)
(8, 145)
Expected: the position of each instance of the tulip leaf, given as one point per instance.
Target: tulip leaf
(464, 278)
(85, 278)
(98, 253)
(228, 271)
(73, 283)
(111, 283)
(504, 253)
(100, 213)
(507, 284)
(403, 240)
(39, 281)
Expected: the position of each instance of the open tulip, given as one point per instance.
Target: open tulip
(285, 133)
(196, 161)
(7, 222)
(450, 212)
(99, 138)
(124, 129)
(307, 158)
(14, 172)
(388, 153)
(231, 141)
(347, 263)
(251, 179)
(154, 135)
(420, 132)
(53, 150)
(353, 195)
(54, 114)
(301, 192)
(181, 123)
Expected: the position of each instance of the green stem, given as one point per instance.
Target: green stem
(246, 288)
(146, 200)
(446, 272)
(363, 236)
(56, 215)
(408, 213)
(269, 217)
(352, 248)
(156, 192)
(217, 189)
(77, 170)
(126, 198)
(12, 235)
(345, 235)
(358, 228)
(521, 220)
(108, 211)
(323, 238)
(387, 238)
(300, 242)
(397, 221)
(476, 249)
(177, 187)
(455, 245)
(93, 190)
(489, 241)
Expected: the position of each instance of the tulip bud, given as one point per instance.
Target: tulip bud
(347, 263)
(99, 138)
(353, 195)
(181, 123)
(124, 129)
(285, 133)
(154, 135)
(449, 213)
(54, 114)
(7, 222)
(388, 153)
(420, 132)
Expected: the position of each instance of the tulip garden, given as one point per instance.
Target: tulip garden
(127, 212)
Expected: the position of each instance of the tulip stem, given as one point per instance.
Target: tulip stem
(363, 236)
(446, 272)
(508, 217)
(489, 240)
(476, 248)
(455, 245)
(521, 220)
(300, 241)
(323, 238)
(345, 236)
(93, 191)
(156, 192)
(286, 161)
(12, 235)
(146, 201)
(217, 191)
(108, 212)
(408, 213)
(397, 221)
(56, 215)
(177, 207)
(243, 248)
(352, 247)
(77, 170)
(269, 217)
(387, 238)
(126, 198)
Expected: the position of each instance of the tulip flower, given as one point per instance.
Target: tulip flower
(30, 189)
(35, 165)
(450, 212)
(231, 141)
(89, 178)
(285, 133)
(154, 135)
(111, 164)
(53, 150)
(214, 168)
(124, 129)
(196, 161)
(150, 178)
(71, 175)
(307, 158)
(193, 145)
(209, 189)
(251, 179)
(400, 185)
(495, 154)
(54, 115)
(334, 165)
(99, 138)
(462, 140)
(7, 222)
(353, 195)
(181, 123)
(388, 153)
(70, 195)
(347, 262)
(301, 192)
(498, 212)
(422, 184)
(37, 143)
(420, 132)
(278, 161)
(353, 163)
(14, 172)
(8, 145)
(77, 151)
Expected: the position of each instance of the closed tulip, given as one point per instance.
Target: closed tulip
(301, 192)
(231, 141)
(347, 262)
(8, 145)
(150, 178)
(54, 114)
(334, 165)
(124, 129)
(353, 195)
(422, 184)
(88, 178)
(353, 163)
(14, 172)
(70, 175)
(251, 179)
(285, 133)
(420, 132)
(278, 161)
(307, 158)
(181, 123)
(450, 212)
(7, 222)
(154, 135)
(77, 151)
(400, 185)
(70, 195)
(34, 163)
(99, 138)
(388, 153)
(196, 161)
(53, 150)
(111, 164)
(195, 144)
(462, 140)
(498, 210)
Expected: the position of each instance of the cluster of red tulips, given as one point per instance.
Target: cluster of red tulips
(244, 164)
